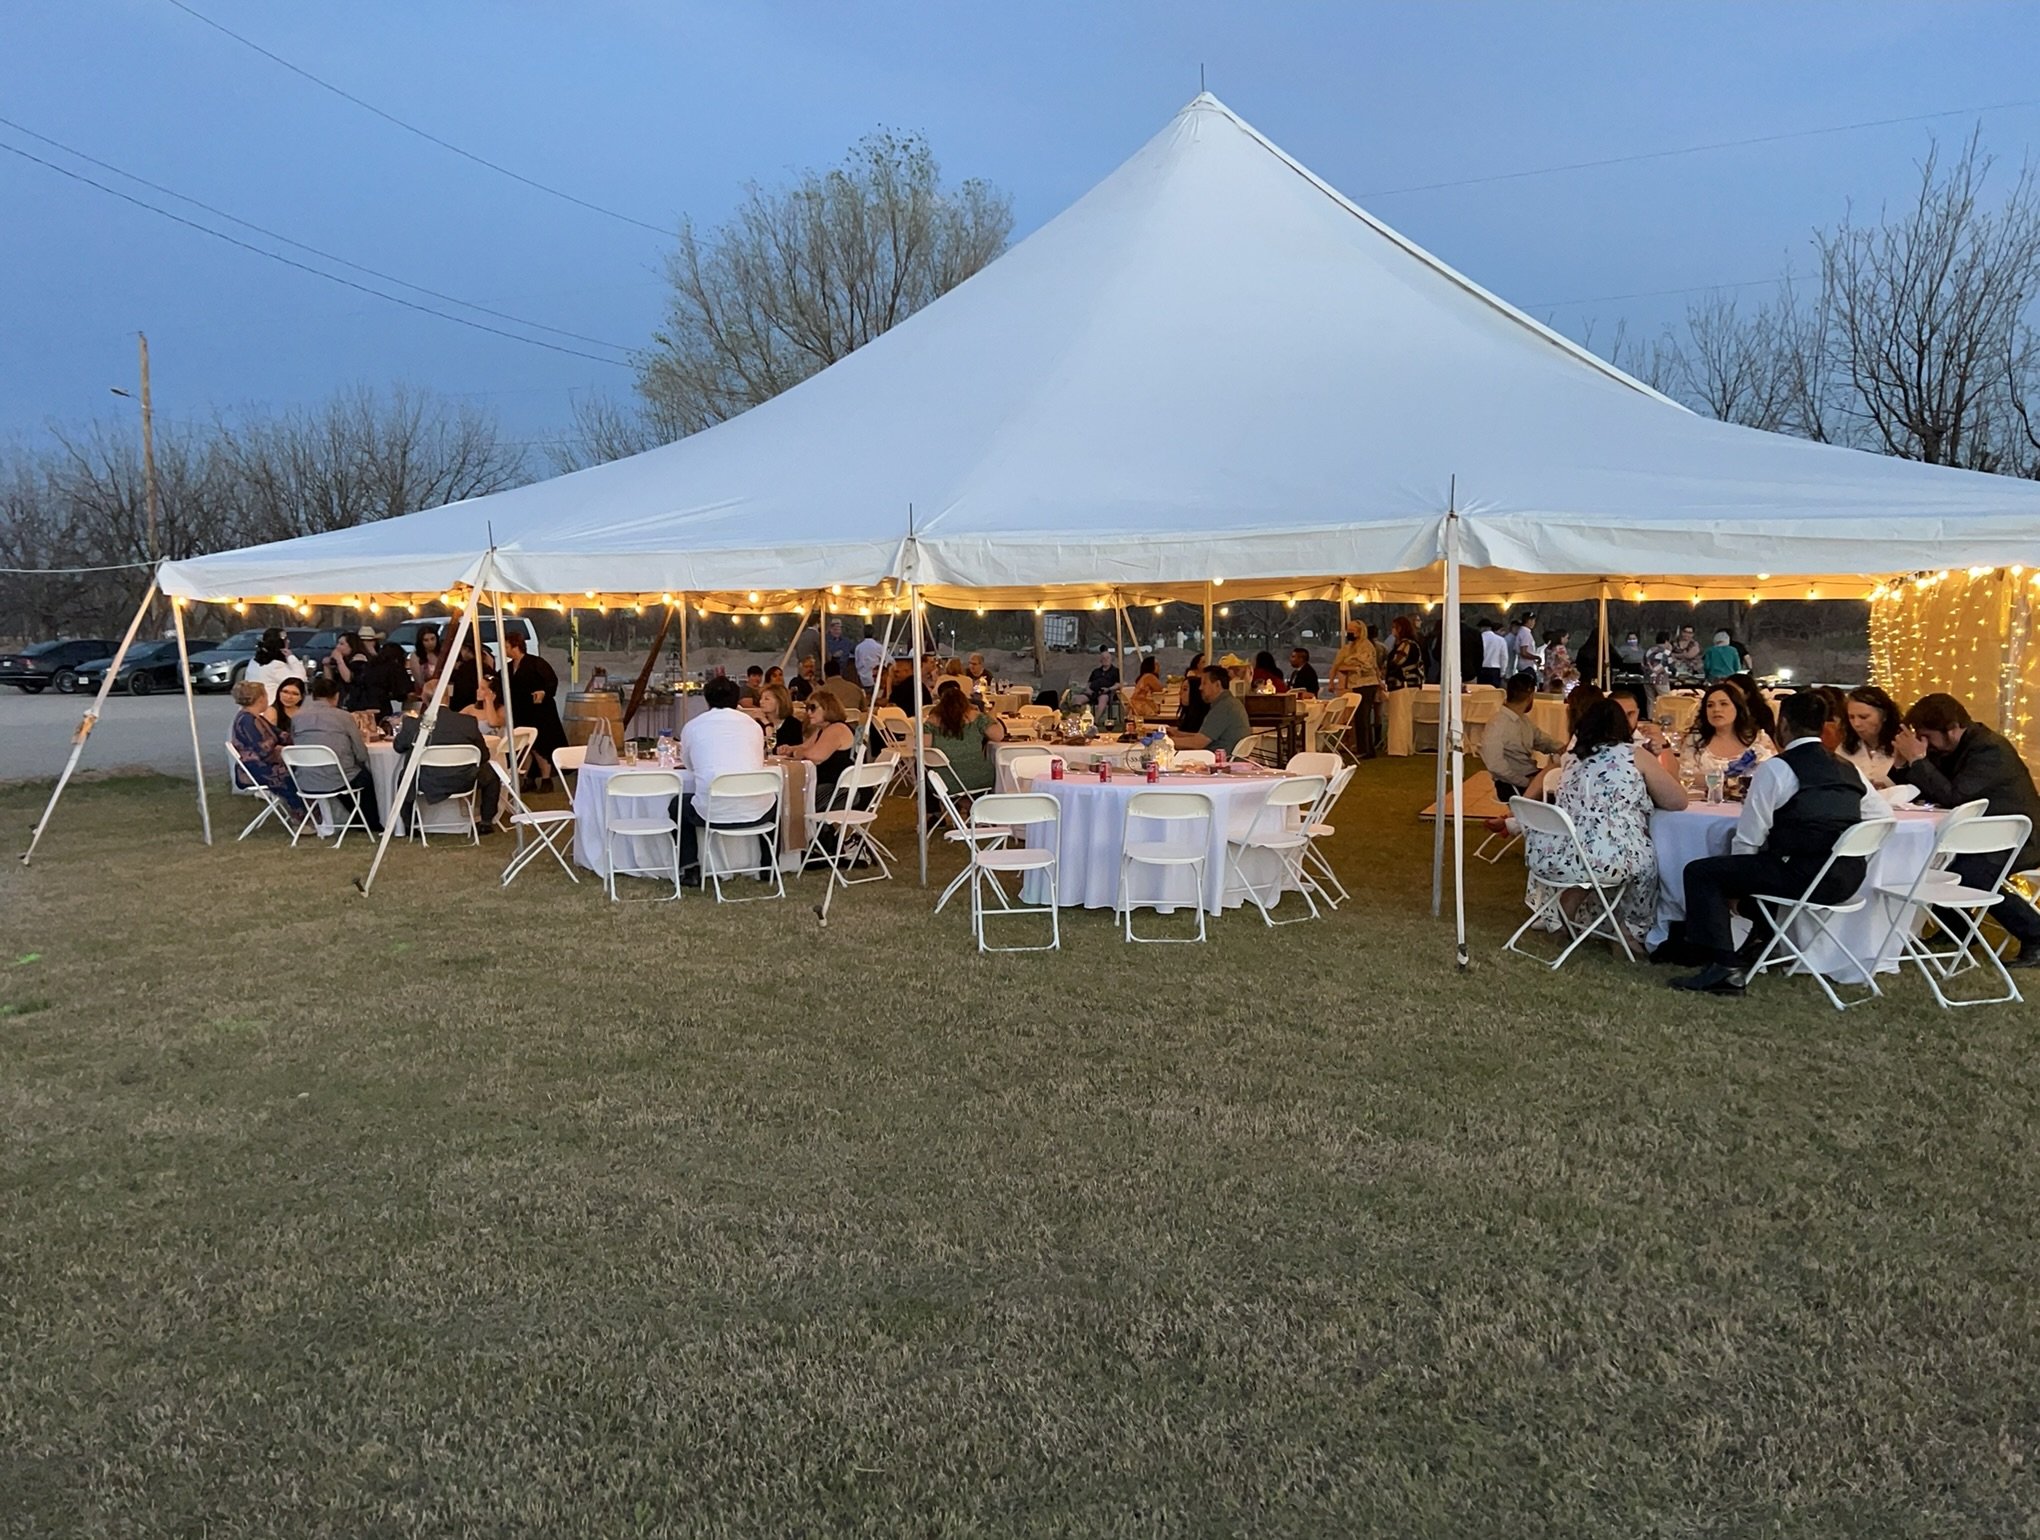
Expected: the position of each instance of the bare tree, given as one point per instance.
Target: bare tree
(802, 276)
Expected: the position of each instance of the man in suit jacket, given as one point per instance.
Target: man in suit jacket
(1953, 760)
(450, 729)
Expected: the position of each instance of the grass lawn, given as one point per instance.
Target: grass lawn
(456, 1211)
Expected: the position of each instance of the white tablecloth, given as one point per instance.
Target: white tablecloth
(1075, 758)
(1094, 830)
(591, 812)
(1706, 830)
(385, 766)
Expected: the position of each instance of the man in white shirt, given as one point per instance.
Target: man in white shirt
(1494, 653)
(720, 741)
(1798, 805)
(1525, 643)
(870, 653)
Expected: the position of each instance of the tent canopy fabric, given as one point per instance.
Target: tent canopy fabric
(1210, 366)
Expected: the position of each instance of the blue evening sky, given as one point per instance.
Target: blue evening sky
(663, 108)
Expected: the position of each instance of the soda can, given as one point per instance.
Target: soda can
(1055, 769)
(1154, 772)
(1104, 771)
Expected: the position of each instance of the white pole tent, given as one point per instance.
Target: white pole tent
(1212, 368)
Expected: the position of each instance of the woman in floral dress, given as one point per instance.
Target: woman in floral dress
(1608, 790)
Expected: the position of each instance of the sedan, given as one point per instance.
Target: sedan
(147, 666)
(35, 669)
(221, 665)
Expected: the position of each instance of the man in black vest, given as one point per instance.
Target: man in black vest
(1799, 804)
(1953, 760)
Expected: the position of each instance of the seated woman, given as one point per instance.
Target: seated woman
(1608, 790)
(258, 746)
(827, 743)
(486, 708)
(1724, 732)
(287, 699)
(1873, 724)
(1147, 689)
(961, 731)
(1267, 676)
(774, 712)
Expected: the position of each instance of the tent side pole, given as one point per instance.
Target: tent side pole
(1601, 678)
(191, 715)
(860, 748)
(799, 626)
(426, 719)
(1457, 715)
(91, 719)
(683, 638)
(1119, 636)
(920, 729)
(503, 688)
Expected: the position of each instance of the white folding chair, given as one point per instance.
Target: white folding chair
(1186, 815)
(1318, 824)
(1549, 818)
(1334, 728)
(544, 828)
(1037, 713)
(242, 785)
(568, 761)
(764, 827)
(663, 826)
(1185, 758)
(1029, 767)
(451, 756)
(895, 730)
(1955, 908)
(960, 830)
(344, 803)
(840, 834)
(1314, 762)
(522, 741)
(1258, 747)
(988, 860)
(1287, 839)
(1862, 842)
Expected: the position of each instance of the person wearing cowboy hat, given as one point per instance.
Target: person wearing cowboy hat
(368, 673)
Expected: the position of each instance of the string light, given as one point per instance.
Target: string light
(1218, 582)
(754, 596)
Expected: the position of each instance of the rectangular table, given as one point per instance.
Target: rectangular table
(1706, 829)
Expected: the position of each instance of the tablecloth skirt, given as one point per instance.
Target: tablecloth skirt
(652, 853)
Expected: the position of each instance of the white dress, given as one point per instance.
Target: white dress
(270, 675)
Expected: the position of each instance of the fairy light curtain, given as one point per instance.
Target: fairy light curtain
(1970, 634)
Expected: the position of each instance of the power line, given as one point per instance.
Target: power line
(305, 267)
(249, 224)
(1691, 149)
(412, 128)
(1698, 288)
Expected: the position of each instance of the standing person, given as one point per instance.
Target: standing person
(1687, 657)
(1657, 663)
(1508, 742)
(364, 673)
(869, 655)
(1523, 644)
(1405, 669)
(1799, 804)
(839, 649)
(274, 662)
(1953, 760)
(718, 741)
(1358, 669)
(324, 725)
(1723, 660)
(534, 702)
(1494, 652)
(1557, 658)
(1303, 679)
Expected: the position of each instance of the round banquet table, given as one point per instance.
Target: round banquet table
(386, 767)
(1094, 829)
(1706, 829)
(591, 814)
(1076, 758)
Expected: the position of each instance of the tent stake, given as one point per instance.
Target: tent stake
(191, 714)
(90, 720)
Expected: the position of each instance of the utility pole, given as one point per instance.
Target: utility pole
(148, 447)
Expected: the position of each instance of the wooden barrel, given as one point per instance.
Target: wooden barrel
(592, 711)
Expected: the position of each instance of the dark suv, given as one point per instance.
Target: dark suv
(36, 668)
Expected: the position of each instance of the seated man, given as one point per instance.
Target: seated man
(1634, 700)
(1225, 719)
(453, 729)
(1303, 677)
(1799, 804)
(720, 741)
(846, 690)
(1104, 679)
(1507, 742)
(323, 725)
(1953, 760)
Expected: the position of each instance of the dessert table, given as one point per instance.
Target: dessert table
(1094, 831)
(1706, 829)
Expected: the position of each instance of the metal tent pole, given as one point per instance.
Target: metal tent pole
(90, 719)
(191, 713)
(503, 691)
(920, 730)
(1457, 714)
(1601, 678)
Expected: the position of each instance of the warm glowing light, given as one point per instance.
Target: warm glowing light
(1218, 582)
(1785, 673)
(1763, 577)
(754, 597)
(1158, 609)
(240, 609)
(836, 588)
(445, 599)
(1289, 604)
(588, 594)
(1977, 572)
(1041, 609)
(665, 598)
(981, 609)
(1225, 609)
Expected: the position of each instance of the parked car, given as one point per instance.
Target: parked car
(147, 666)
(35, 669)
(406, 635)
(221, 665)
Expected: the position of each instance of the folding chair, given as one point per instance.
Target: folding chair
(545, 828)
(1029, 767)
(1013, 812)
(763, 827)
(568, 761)
(522, 741)
(850, 824)
(1861, 842)
(1273, 831)
(628, 785)
(1938, 891)
(346, 800)
(1185, 758)
(896, 731)
(1549, 818)
(1318, 824)
(1188, 815)
(452, 756)
(1335, 728)
(241, 785)
(1258, 747)
(1314, 762)
(960, 831)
